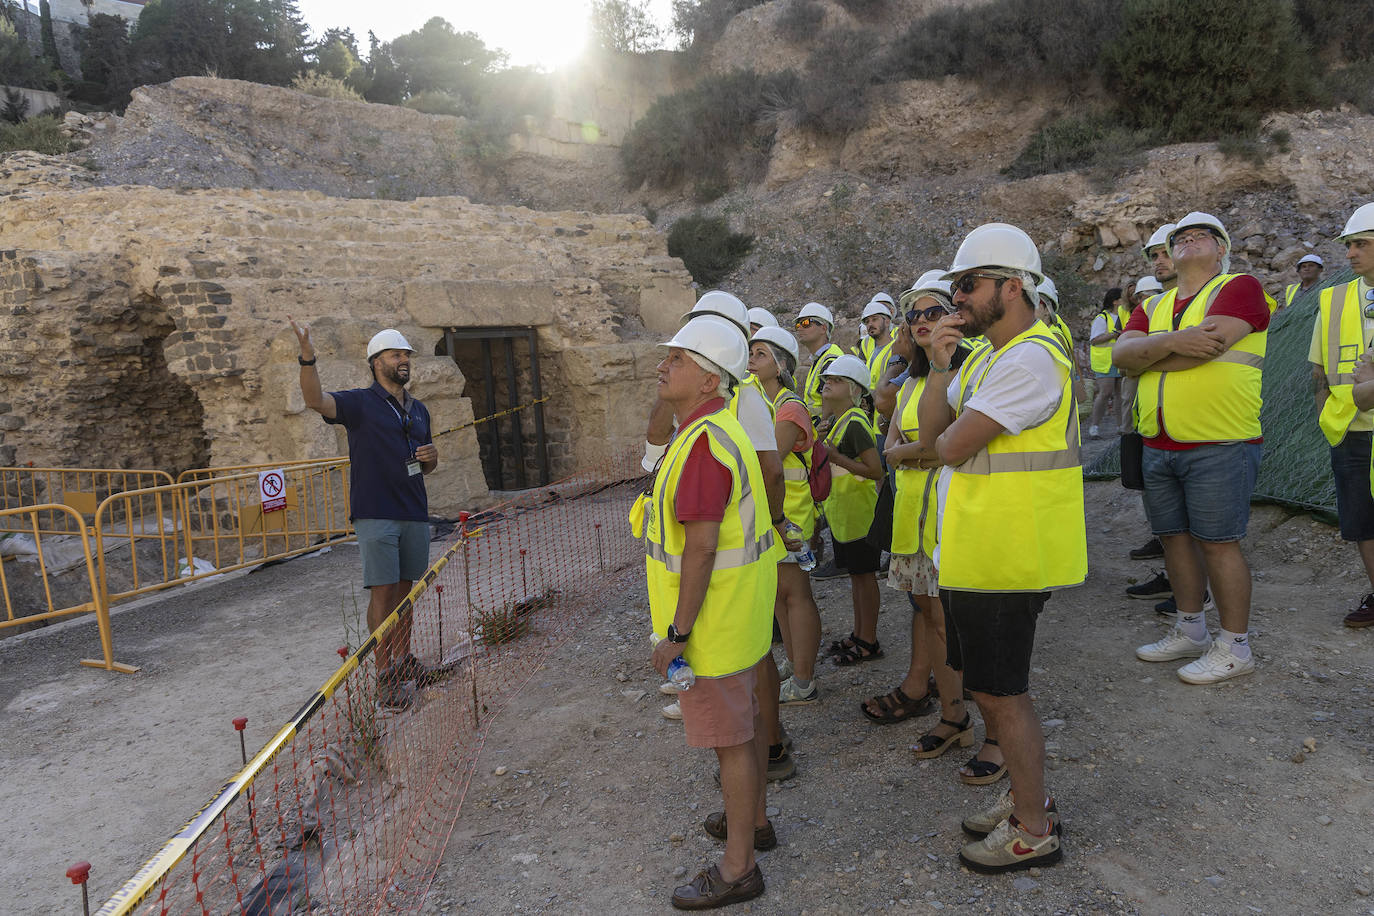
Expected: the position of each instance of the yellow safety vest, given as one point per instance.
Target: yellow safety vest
(1341, 320)
(914, 515)
(735, 625)
(1100, 355)
(797, 503)
(1013, 516)
(865, 348)
(749, 381)
(1061, 330)
(876, 360)
(811, 396)
(849, 507)
(1218, 401)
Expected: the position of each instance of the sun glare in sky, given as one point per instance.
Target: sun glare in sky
(543, 33)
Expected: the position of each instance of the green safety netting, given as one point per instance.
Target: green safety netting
(1296, 469)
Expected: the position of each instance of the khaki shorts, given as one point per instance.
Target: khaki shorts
(720, 711)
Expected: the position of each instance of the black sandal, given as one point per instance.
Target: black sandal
(932, 745)
(861, 651)
(895, 706)
(842, 645)
(985, 772)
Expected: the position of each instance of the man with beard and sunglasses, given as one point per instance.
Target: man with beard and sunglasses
(1005, 425)
(390, 449)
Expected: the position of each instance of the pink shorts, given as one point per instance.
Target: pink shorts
(720, 711)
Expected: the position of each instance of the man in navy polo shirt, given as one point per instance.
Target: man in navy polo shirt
(390, 449)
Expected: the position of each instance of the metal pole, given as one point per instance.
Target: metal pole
(494, 428)
(79, 873)
(239, 725)
(536, 392)
(517, 434)
(472, 637)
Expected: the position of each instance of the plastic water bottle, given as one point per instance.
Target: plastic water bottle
(804, 557)
(680, 674)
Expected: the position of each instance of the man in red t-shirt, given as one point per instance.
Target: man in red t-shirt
(1198, 352)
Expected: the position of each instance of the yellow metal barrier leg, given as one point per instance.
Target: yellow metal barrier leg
(102, 611)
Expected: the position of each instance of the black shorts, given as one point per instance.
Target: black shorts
(989, 637)
(1354, 504)
(857, 557)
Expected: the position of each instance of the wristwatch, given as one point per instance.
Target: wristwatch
(307, 362)
(675, 636)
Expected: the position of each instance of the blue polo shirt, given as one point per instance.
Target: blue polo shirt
(382, 438)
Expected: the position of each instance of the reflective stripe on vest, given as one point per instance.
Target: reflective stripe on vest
(1341, 320)
(797, 503)
(811, 396)
(733, 628)
(914, 504)
(1016, 497)
(849, 507)
(1217, 401)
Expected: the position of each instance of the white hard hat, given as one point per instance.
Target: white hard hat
(1049, 291)
(1310, 259)
(717, 339)
(762, 317)
(850, 367)
(389, 339)
(877, 306)
(1199, 220)
(726, 305)
(1160, 238)
(881, 296)
(1362, 220)
(816, 310)
(997, 245)
(932, 281)
(1148, 285)
(779, 338)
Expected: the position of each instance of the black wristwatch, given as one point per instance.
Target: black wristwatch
(675, 636)
(307, 362)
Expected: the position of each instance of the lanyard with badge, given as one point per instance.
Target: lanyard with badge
(412, 464)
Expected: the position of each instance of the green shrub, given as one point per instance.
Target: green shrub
(1340, 26)
(700, 22)
(1173, 74)
(834, 95)
(1353, 84)
(1254, 148)
(41, 134)
(801, 20)
(1098, 140)
(707, 247)
(432, 101)
(323, 86)
(694, 133)
(1030, 41)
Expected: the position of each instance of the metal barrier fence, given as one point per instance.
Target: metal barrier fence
(230, 469)
(348, 808)
(81, 489)
(61, 598)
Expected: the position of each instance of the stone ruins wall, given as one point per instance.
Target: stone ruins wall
(148, 327)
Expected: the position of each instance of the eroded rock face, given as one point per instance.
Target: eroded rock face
(148, 327)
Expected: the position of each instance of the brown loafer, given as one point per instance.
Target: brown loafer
(1362, 616)
(709, 890)
(764, 837)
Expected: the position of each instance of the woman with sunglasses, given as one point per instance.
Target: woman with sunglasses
(773, 360)
(914, 527)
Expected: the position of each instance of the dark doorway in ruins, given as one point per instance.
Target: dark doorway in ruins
(501, 368)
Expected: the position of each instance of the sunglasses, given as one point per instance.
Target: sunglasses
(969, 282)
(934, 313)
(808, 322)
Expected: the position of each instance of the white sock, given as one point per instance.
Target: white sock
(1194, 626)
(804, 685)
(1238, 643)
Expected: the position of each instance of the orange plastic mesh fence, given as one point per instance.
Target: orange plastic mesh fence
(348, 808)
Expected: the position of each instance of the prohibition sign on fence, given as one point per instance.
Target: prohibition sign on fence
(273, 488)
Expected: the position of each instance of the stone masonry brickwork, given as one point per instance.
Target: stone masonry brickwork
(148, 327)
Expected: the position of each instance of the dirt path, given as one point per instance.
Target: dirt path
(1176, 799)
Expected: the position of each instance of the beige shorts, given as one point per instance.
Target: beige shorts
(720, 711)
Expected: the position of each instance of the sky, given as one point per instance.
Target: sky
(545, 33)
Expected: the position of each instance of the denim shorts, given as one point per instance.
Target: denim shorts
(1354, 504)
(393, 551)
(1203, 491)
(989, 637)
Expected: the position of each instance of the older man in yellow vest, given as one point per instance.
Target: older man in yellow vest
(1005, 425)
(712, 574)
(1199, 352)
(1340, 357)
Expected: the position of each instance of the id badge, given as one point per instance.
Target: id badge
(413, 467)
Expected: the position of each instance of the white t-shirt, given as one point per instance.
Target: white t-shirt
(757, 420)
(1020, 391)
(1099, 328)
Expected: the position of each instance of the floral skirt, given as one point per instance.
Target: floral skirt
(913, 572)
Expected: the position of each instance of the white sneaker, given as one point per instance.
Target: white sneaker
(668, 688)
(785, 669)
(673, 711)
(1092, 432)
(1174, 645)
(1219, 664)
